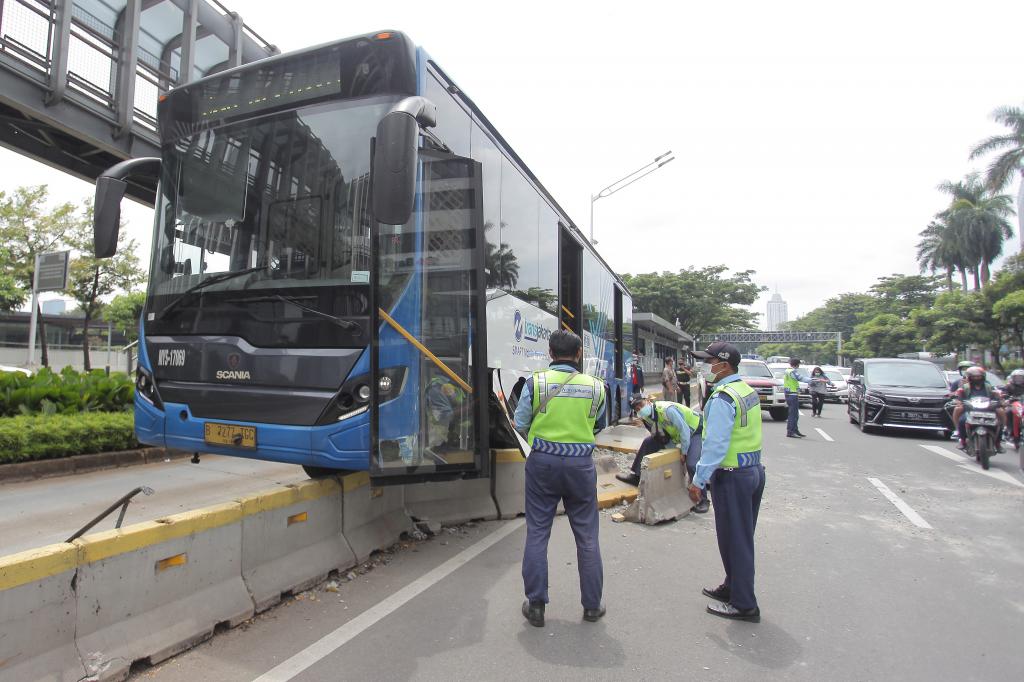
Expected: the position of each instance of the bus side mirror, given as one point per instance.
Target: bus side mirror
(106, 219)
(394, 168)
(110, 189)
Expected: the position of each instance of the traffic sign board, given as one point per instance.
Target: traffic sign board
(52, 271)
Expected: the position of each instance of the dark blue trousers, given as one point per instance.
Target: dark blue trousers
(793, 405)
(572, 480)
(737, 499)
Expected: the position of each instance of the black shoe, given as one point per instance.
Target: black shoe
(720, 593)
(534, 613)
(793, 435)
(594, 615)
(631, 479)
(999, 448)
(727, 610)
(701, 507)
(800, 435)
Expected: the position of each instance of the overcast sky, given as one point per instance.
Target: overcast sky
(809, 139)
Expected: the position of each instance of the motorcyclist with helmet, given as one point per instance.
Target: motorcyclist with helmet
(1014, 391)
(961, 367)
(973, 385)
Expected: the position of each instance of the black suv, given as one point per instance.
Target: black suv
(899, 394)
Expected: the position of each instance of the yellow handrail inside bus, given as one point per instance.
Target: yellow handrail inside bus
(568, 312)
(426, 351)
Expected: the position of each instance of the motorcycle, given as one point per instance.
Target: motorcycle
(1015, 425)
(982, 428)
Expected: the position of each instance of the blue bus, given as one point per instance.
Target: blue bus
(351, 269)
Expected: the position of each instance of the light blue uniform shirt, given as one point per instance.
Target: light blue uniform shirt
(676, 418)
(524, 410)
(719, 419)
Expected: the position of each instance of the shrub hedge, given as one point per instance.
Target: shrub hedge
(33, 437)
(64, 392)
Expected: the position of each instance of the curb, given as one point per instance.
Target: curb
(79, 464)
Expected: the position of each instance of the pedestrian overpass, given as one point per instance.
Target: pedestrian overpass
(79, 79)
(756, 338)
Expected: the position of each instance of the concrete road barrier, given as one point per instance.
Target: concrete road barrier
(509, 483)
(451, 501)
(372, 518)
(292, 538)
(154, 589)
(662, 491)
(37, 615)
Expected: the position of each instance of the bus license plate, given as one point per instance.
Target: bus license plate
(234, 435)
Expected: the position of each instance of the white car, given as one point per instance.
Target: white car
(839, 391)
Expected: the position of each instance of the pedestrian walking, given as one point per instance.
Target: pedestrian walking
(731, 462)
(557, 412)
(818, 386)
(669, 383)
(791, 384)
(668, 423)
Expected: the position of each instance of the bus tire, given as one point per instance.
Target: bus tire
(322, 472)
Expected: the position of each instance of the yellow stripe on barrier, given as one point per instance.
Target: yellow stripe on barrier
(278, 498)
(37, 564)
(114, 542)
(355, 481)
(663, 458)
(301, 517)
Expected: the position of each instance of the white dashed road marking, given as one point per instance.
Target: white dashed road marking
(912, 515)
(967, 465)
(334, 640)
(824, 435)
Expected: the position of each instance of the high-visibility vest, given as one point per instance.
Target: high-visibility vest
(790, 382)
(691, 418)
(564, 423)
(745, 441)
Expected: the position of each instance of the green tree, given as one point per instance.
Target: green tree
(940, 251)
(28, 227)
(1009, 310)
(900, 294)
(92, 279)
(12, 296)
(953, 322)
(704, 300)
(884, 335)
(981, 218)
(1011, 159)
(124, 311)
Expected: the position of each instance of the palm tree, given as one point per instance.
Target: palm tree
(980, 219)
(938, 250)
(1011, 159)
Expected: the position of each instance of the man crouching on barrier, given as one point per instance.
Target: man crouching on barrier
(669, 423)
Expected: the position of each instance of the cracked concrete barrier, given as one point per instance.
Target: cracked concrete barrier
(37, 615)
(509, 483)
(292, 538)
(372, 518)
(662, 491)
(151, 590)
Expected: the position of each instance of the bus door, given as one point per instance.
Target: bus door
(429, 411)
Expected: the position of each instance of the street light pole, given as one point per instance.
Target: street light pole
(625, 182)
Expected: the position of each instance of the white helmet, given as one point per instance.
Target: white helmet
(1016, 377)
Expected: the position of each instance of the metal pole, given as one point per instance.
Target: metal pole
(34, 319)
(592, 200)
(839, 348)
(110, 334)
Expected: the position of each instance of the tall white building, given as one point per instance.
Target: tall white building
(778, 313)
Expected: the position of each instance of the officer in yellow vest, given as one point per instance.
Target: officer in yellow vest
(557, 410)
(791, 383)
(731, 462)
(669, 423)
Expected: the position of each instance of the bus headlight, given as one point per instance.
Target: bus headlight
(145, 387)
(363, 393)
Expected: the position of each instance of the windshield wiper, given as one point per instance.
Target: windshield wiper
(205, 283)
(344, 324)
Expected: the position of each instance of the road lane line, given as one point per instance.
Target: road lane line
(333, 641)
(914, 517)
(939, 450)
(824, 435)
(996, 474)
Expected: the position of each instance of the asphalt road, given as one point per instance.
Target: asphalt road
(849, 587)
(49, 510)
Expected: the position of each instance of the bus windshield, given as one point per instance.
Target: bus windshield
(283, 202)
